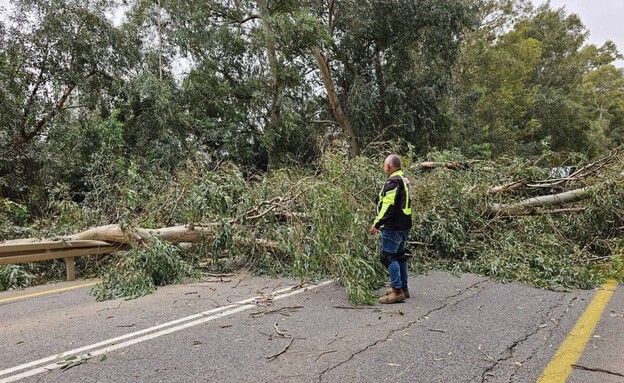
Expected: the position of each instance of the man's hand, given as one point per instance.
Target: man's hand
(373, 230)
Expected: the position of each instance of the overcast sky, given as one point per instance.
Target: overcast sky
(603, 18)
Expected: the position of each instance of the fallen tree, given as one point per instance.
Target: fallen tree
(118, 235)
(529, 205)
(455, 165)
(313, 224)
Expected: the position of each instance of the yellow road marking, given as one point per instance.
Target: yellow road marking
(560, 366)
(46, 292)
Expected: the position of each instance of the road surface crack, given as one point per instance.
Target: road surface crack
(510, 350)
(600, 370)
(408, 325)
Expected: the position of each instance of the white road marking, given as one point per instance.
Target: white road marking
(151, 333)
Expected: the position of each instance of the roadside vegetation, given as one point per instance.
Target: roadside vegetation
(265, 124)
(313, 225)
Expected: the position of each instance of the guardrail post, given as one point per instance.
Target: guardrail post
(69, 267)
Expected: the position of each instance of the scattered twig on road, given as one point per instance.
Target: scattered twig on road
(127, 325)
(301, 285)
(323, 353)
(278, 310)
(436, 330)
(490, 357)
(111, 308)
(215, 302)
(220, 275)
(237, 283)
(270, 336)
(579, 367)
(264, 299)
(194, 376)
(280, 333)
(374, 309)
(392, 312)
(283, 351)
(335, 339)
(217, 280)
(283, 335)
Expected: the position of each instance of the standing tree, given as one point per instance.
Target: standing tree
(391, 67)
(58, 58)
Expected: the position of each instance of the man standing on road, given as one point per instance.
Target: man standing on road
(394, 219)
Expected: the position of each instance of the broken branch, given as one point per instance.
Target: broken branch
(278, 310)
(526, 207)
(283, 351)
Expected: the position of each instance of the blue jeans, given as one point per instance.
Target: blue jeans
(393, 242)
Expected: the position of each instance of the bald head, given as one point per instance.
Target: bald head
(392, 164)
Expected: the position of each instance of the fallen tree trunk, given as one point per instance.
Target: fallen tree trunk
(428, 165)
(115, 234)
(186, 234)
(512, 186)
(527, 207)
(173, 234)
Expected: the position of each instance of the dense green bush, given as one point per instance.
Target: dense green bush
(13, 277)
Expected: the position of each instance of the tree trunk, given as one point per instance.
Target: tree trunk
(428, 165)
(381, 85)
(160, 43)
(332, 95)
(173, 234)
(116, 235)
(26, 137)
(272, 56)
(527, 206)
(274, 85)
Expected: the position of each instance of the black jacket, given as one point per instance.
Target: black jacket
(394, 210)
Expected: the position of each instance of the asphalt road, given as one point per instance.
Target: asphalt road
(251, 329)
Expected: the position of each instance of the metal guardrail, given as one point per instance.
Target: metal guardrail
(12, 253)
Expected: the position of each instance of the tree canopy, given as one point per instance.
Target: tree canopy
(104, 102)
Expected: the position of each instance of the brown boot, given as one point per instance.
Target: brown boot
(405, 292)
(394, 297)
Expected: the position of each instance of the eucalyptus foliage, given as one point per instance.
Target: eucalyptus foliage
(139, 271)
(318, 229)
(176, 112)
(554, 251)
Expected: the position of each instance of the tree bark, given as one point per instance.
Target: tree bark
(332, 95)
(173, 234)
(114, 234)
(25, 137)
(511, 186)
(427, 165)
(272, 56)
(528, 206)
(381, 85)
